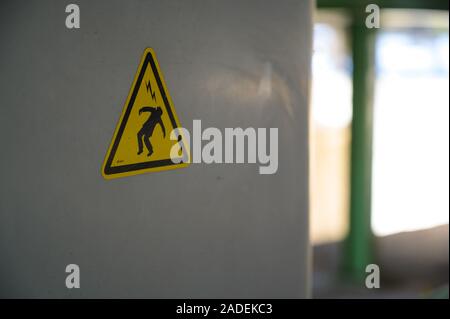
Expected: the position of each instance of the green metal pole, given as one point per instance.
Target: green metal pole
(358, 247)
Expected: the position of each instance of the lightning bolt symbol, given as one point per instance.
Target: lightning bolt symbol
(149, 89)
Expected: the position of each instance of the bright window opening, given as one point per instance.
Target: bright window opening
(411, 132)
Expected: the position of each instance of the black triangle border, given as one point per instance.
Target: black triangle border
(110, 170)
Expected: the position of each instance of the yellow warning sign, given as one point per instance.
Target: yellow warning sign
(141, 141)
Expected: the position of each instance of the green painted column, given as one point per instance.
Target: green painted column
(358, 247)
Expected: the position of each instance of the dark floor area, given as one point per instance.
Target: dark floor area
(412, 265)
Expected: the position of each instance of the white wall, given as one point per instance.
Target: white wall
(202, 231)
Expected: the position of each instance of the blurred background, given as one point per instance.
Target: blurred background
(380, 149)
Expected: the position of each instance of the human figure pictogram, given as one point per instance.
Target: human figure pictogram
(146, 132)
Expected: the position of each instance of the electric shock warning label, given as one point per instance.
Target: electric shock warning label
(141, 141)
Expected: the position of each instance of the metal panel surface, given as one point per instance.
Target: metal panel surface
(205, 231)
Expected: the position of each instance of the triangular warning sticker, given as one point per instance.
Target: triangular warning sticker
(142, 141)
